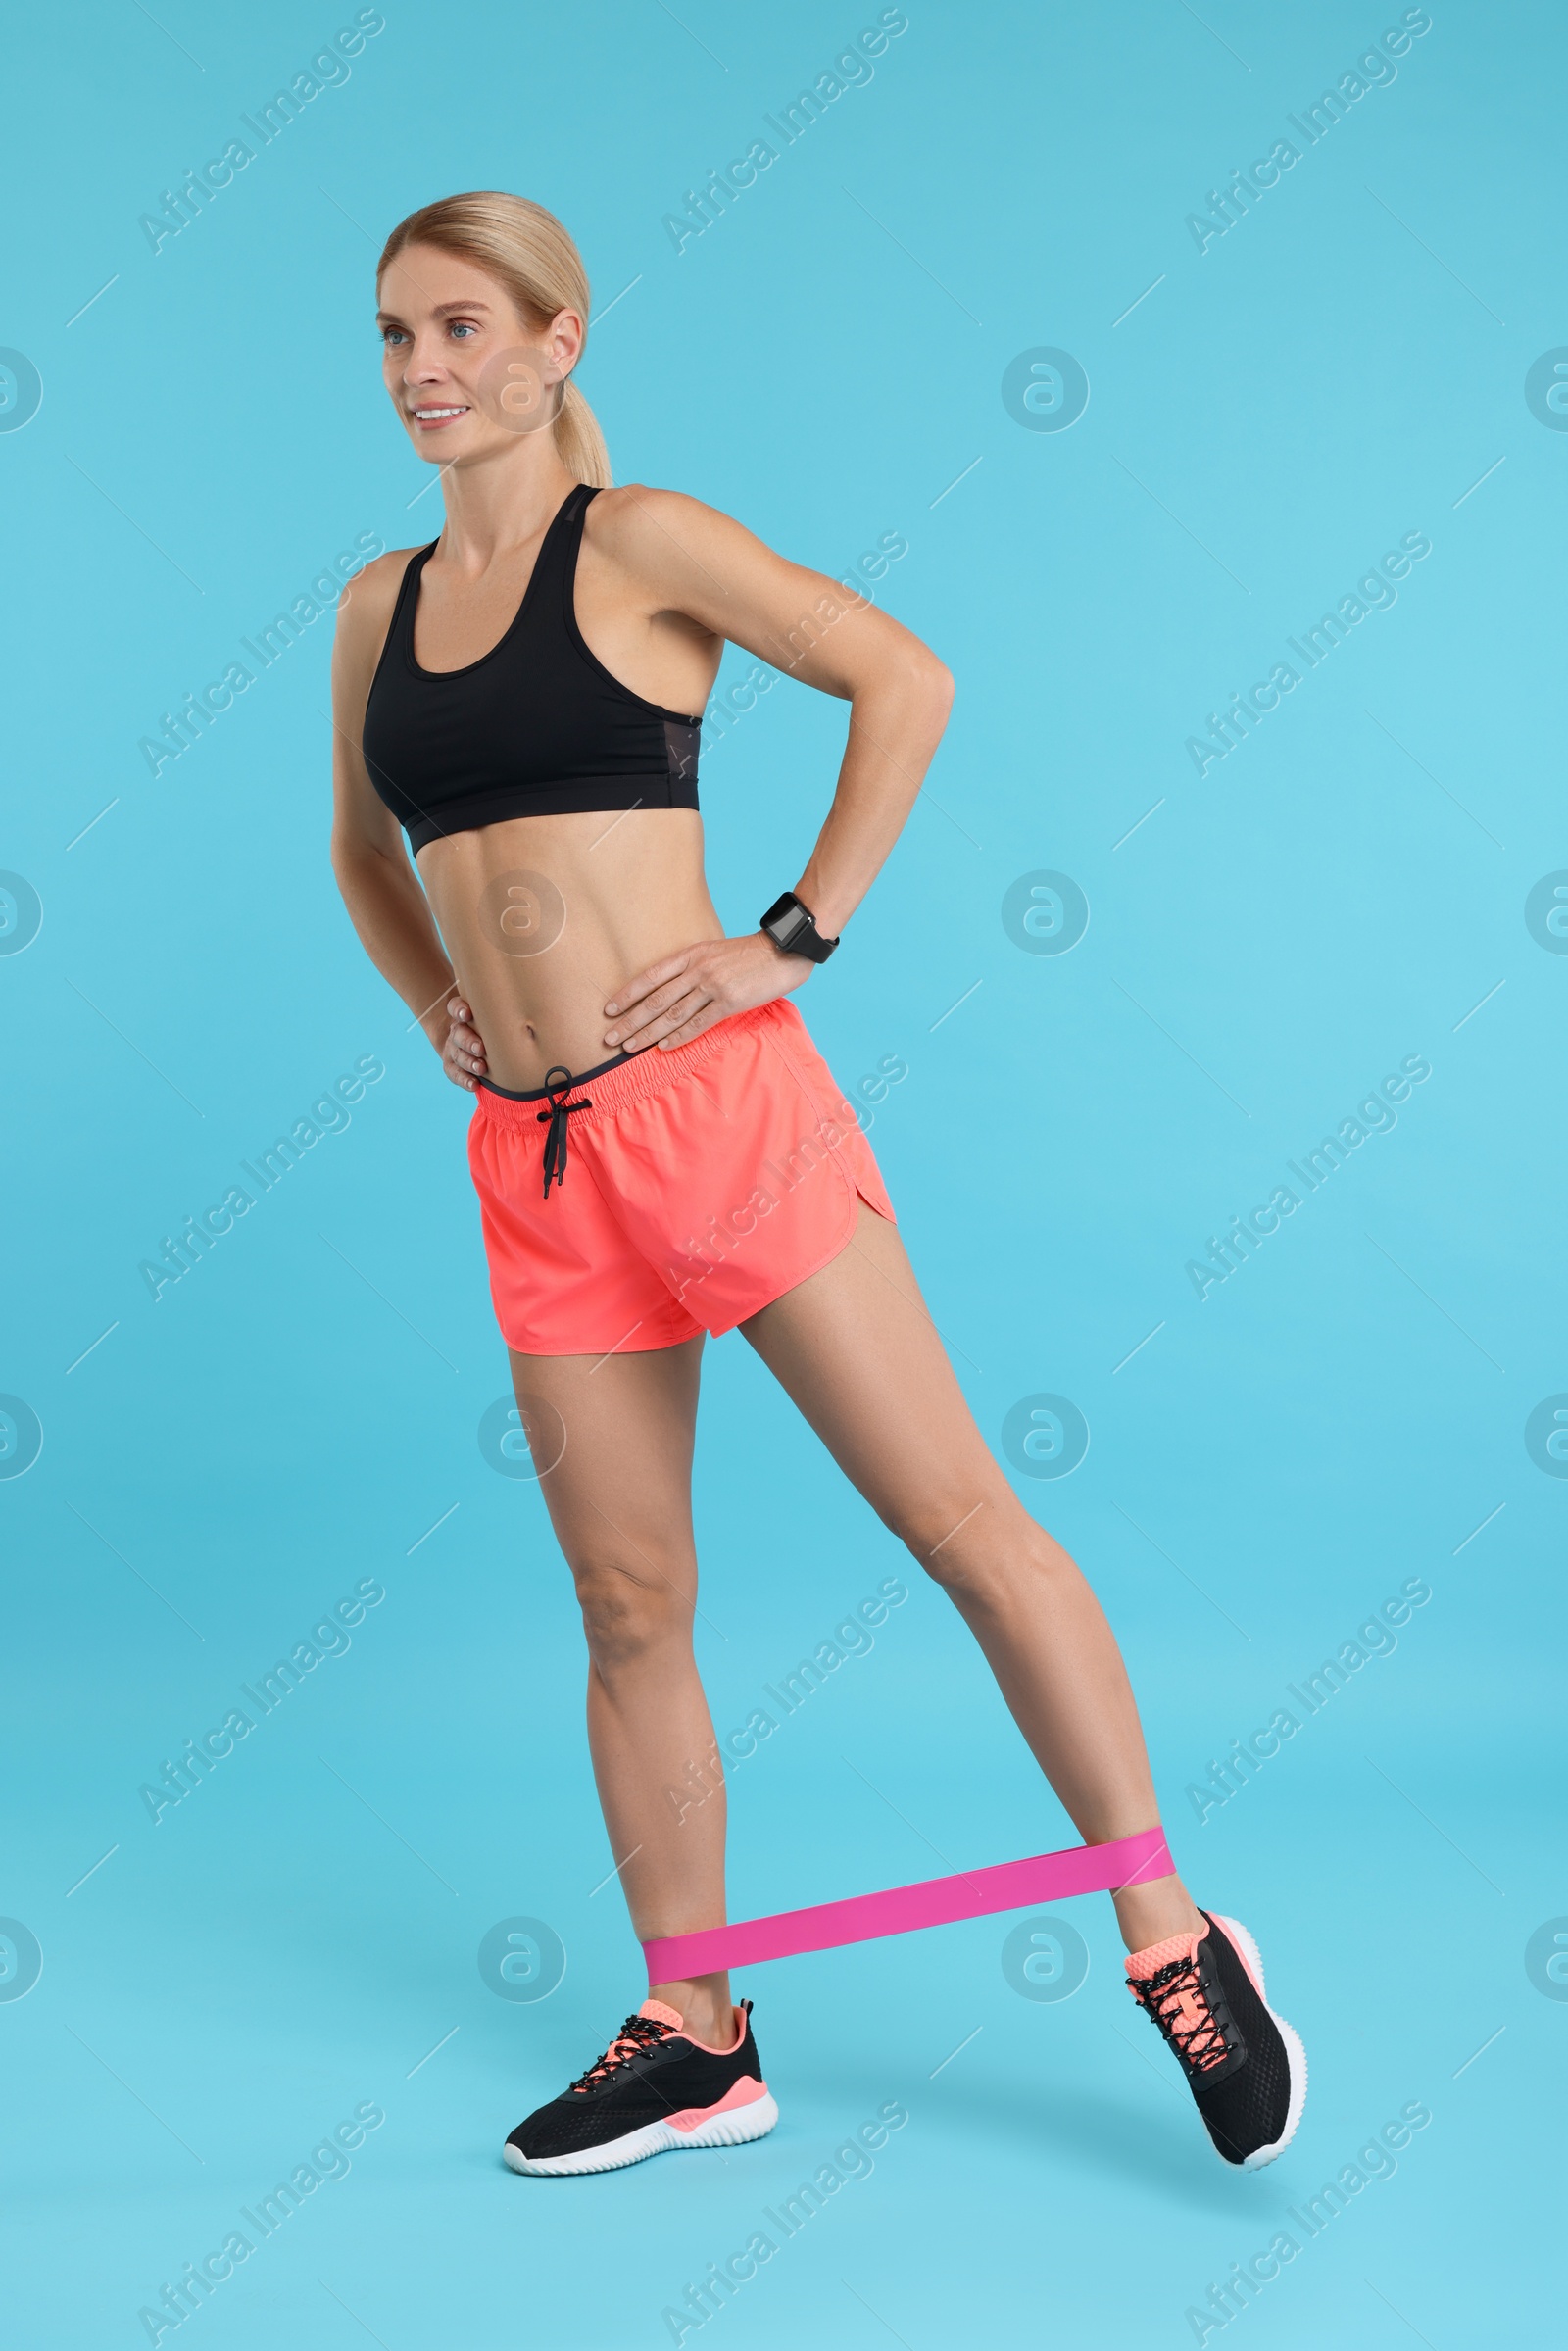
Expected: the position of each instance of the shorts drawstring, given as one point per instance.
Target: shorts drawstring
(558, 1083)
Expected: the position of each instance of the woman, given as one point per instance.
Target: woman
(658, 1150)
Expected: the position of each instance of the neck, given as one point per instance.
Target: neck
(502, 501)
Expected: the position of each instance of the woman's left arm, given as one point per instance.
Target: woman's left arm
(690, 560)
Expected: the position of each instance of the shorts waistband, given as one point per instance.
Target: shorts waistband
(633, 1077)
(543, 1093)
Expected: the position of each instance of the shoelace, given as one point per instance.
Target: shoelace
(1174, 1999)
(558, 1083)
(637, 2035)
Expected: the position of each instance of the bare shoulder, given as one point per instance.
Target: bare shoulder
(668, 541)
(635, 522)
(365, 603)
(364, 617)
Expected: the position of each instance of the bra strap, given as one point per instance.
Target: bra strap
(573, 513)
(402, 628)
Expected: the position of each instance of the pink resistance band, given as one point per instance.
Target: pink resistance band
(936, 1902)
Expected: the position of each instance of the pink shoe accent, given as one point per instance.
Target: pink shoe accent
(662, 2014)
(730, 2046)
(1243, 1945)
(744, 2092)
(1178, 2004)
(1188, 2010)
(1154, 1956)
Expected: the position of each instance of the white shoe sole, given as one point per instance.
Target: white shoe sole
(731, 2129)
(1295, 2053)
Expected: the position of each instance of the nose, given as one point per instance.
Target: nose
(424, 364)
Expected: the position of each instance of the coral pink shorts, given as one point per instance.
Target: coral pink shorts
(687, 1190)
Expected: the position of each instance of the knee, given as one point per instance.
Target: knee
(977, 1550)
(629, 1609)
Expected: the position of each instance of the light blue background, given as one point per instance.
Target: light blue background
(1341, 1414)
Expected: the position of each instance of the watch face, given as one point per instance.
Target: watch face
(792, 930)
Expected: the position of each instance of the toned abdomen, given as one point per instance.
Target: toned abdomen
(545, 918)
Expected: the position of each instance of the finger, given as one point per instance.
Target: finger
(673, 992)
(673, 1017)
(657, 1019)
(457, 1009)
(696, 1026)
(654, 977)
(633, 990)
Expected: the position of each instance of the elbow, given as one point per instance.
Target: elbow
(352, 848)
(354, 861)
(346, 857)
(913, 687)
(931, 682)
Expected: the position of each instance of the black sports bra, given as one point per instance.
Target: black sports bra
(536, 727)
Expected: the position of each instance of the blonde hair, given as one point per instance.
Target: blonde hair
(525, 250)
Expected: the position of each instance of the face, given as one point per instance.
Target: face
(467, 373)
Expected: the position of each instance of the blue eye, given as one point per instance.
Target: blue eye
(461, 326)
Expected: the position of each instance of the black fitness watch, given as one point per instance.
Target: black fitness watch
(792, 930)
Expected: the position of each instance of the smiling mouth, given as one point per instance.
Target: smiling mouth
(429, 417)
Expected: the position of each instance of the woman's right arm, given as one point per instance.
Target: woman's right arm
(379, 887)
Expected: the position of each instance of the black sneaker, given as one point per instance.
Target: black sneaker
(1244, 2064)
(654, 2087)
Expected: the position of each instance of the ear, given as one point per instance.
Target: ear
(564, 338)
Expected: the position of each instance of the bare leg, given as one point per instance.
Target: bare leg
(855, 1348)
(619, 1501)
